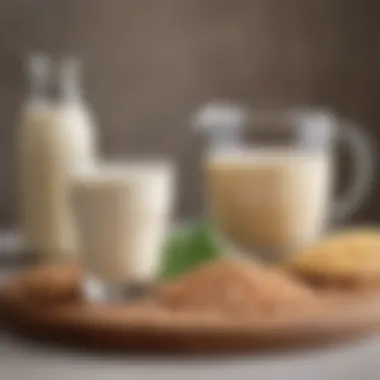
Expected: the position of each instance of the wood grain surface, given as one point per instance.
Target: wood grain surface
(46, 303)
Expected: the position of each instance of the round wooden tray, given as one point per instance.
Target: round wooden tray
(46, 303)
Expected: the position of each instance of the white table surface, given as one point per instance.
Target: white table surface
(24, 359)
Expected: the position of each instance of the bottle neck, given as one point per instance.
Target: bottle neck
(38, 70)
(70, 80)
(64, 91)
(53, 82)
(65, 83)
(57, 83)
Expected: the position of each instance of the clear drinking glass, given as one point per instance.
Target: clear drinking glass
(123, 213)
(270, 175)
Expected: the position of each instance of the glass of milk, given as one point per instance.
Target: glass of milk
(270, 175)
(123, 212)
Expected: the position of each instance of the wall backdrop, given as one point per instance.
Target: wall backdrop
(149, 63)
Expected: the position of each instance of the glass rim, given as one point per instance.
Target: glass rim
(137, 160)
(116, 170)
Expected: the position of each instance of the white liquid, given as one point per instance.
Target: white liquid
(123, 213)
(275, 198)
(55, 140)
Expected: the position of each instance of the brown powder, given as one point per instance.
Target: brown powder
(235, 289)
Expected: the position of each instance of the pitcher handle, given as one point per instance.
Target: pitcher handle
(361, 180)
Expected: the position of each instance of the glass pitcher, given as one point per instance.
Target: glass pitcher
(270, 175)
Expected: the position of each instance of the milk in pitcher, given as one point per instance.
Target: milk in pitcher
(273, 198)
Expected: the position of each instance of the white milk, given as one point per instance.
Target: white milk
(269, 198)
(123, 214)
(55, 139)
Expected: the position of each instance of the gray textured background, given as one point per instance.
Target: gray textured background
(150, 62)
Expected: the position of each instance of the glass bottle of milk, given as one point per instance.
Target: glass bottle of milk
(57, 138)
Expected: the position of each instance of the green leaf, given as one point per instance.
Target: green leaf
(187, 248)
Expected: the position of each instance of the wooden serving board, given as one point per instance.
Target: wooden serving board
(46, 303)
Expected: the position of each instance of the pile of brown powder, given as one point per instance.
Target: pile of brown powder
(235, 289)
